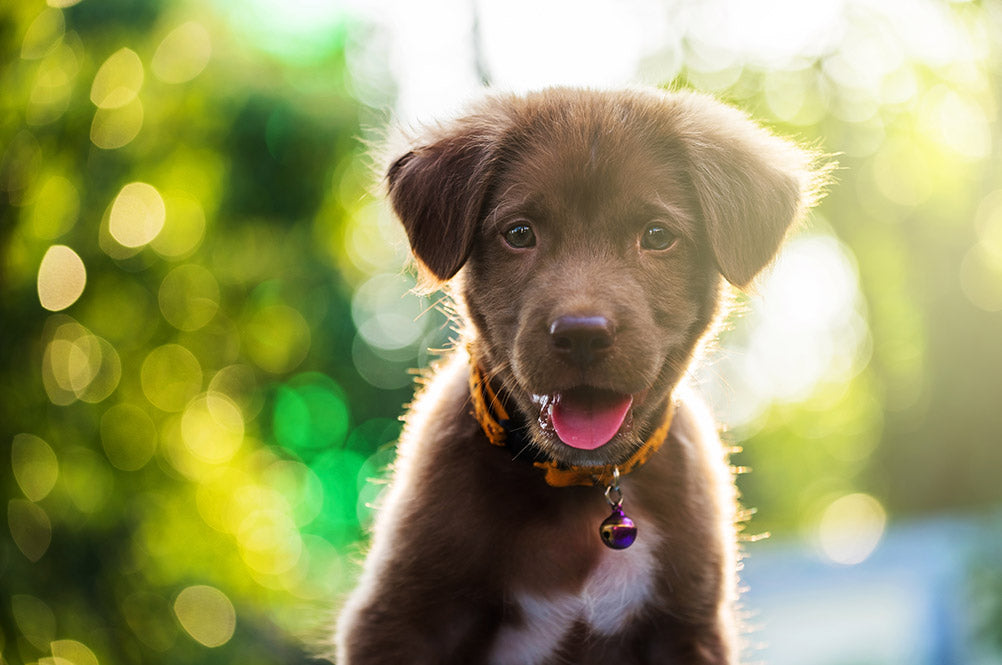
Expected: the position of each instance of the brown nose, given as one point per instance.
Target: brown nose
(581, 339)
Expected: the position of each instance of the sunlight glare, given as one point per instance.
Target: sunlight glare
(71, 651)
(183, 54)
(137, 215)
(806, 328)
(118, 80)
(117, 127)
(34, 465)
(851, 527)
(61, 278)
(206, 614)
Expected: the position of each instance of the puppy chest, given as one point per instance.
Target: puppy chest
(615, 590)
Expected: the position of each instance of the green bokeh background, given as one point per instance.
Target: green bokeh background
(211, 418)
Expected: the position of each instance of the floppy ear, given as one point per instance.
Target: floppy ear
(438, 191)
(751, 186)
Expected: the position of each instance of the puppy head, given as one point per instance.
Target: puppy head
(591, 230)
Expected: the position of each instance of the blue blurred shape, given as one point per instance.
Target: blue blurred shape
(913, 601)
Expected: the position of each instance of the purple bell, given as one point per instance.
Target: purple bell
(618, 531)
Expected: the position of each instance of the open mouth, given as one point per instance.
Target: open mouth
(585, 418)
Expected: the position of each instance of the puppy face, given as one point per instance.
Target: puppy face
(590, 283)
(592, 230)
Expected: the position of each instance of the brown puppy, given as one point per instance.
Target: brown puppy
(586, 237)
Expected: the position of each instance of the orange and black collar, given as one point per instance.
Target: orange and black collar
(496, 423)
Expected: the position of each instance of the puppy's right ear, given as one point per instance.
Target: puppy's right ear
(438, 192)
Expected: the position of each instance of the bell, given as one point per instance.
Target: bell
(618, 531)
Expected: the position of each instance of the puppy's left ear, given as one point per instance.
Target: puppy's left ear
(438, 191)
(751, 186)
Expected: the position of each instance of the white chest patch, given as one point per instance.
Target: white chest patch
(616, 589)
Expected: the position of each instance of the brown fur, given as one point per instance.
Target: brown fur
(468, 539)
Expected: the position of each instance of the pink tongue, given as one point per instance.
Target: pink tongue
(587, 420)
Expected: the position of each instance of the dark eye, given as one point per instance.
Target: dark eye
(520, 236)
(657, 237)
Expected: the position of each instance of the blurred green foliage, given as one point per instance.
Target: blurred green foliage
(189, 439)
(205, 346)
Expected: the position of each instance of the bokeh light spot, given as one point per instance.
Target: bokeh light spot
(373, 365)
(171, 376)
(61, 278)
(189, 297)
(69, 362)
(35, 620)
(373, 238)
(73, 652)
(115, 128)
(54, 660)
(851, 528)
(276, 338)
(56, 208)
(73, 363)
(184, 227)
(251, 496)
(183, 53)
(43, 34)
(107, 374)
(212, 428)
(30, 528)
(176, 452)
(50, 94)
(310, 413)
(269, 542)
(958, 122)
(137, 215)
(79, 365)
(118, 80)
(387, 313)
(35, 466)
(206, 614)
(129, 437)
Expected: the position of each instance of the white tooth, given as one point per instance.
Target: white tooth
(545, 403)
